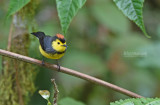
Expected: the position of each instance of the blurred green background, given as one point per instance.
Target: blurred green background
(102, 43)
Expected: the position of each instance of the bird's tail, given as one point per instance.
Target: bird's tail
(39, 35)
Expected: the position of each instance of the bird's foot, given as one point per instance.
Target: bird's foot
(58, 67)
(43, 63)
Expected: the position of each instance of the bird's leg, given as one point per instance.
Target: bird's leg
(58, 65)
(42, 60)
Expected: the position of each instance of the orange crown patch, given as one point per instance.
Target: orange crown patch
(60, 36)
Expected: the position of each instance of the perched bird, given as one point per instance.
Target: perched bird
(51, 47)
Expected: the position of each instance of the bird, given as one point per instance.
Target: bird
(52, 47)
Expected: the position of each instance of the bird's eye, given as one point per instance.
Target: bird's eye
(58, 43)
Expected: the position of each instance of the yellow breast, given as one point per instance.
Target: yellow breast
(50, 56)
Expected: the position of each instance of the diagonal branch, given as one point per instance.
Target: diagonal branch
(70, 72)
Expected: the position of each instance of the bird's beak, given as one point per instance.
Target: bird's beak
(65, 45)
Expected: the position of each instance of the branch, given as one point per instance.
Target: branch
(10, 36)
(70, 72)
(55, 98)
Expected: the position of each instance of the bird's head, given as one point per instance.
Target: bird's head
(59, 44)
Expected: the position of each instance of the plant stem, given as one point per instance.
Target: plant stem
(55, 98)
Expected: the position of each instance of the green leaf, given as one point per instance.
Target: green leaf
(69, 101)
(45, 94)
(137, 101)
(133, 10)
(67, 9)
(49, 103)
(15, 6)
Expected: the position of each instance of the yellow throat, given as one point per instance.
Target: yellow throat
(57, 45)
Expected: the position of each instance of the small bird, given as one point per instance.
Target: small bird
(51, 47)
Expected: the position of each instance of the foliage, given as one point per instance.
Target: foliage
(138, 101)
(45, 94)
(16, 5)
(65, 101)
(67, 9)
(133, 10)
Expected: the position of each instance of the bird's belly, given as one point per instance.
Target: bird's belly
(49, 55)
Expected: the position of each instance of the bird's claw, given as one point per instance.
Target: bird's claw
(43, 63)
(58, 67)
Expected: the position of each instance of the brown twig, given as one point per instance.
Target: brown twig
(70, 72)
(55, 97)
(10, 36)
(21, 102)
